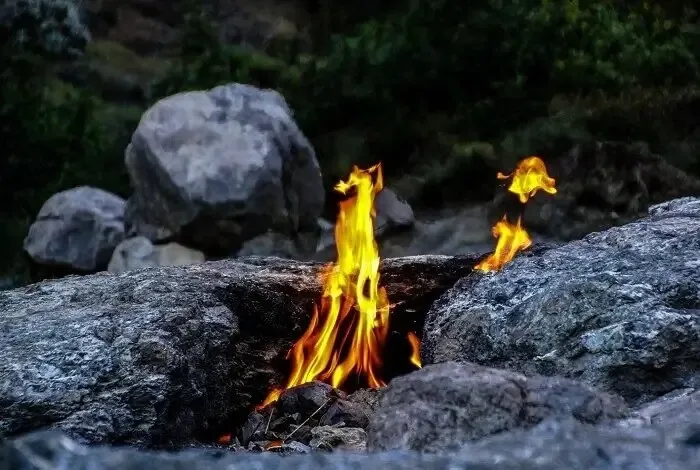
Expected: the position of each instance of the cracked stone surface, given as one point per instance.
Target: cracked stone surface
(442, 406)
(164, 356)
(619, 309)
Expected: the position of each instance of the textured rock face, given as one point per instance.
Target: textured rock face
(552, 445)
(215, 168)
(77, 229)
(164, 356)
(442, 406)
(619, 310)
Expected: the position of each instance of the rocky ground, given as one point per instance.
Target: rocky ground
(579, 355)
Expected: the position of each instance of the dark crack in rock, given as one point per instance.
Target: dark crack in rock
(619, 309)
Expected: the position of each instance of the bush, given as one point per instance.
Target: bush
(490, 65)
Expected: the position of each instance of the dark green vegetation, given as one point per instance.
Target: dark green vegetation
(442, 92)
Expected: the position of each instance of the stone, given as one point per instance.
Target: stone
(271, 244)
(600, 184)
(165, 356)
(139, 252)
(552, 445)
(676, 410)
(349, 413)
(305, 398)
(393, 213)
(618, 310)
(442, 406)
(213, 169)
(253, 429)
(332, 437)
(77, 229)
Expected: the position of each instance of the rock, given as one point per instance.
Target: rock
(600, 184)
(570, 444)
(213, 169)
(349, 413)
(393, 213)
(441, 406)
(253, 429)
(165, 356)
(270, 244)
(331, 437)
(305, 398)
(139, 252)
(551, 445)
(617, 310)
(77, 229)
(676, 410)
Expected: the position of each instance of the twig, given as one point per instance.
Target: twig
(307, 419)
(272, 410)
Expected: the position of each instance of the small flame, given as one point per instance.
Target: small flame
(224, 440)
(511, 240)
(273, 445)
(529, 177)
(347, 332)
(415, 349)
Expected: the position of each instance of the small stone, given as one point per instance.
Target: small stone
(253, 428)
(331, 437)
(305, 399)
(352, 414)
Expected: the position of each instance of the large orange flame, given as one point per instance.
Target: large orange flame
(347, 333)
(511, 240)
(529, 177)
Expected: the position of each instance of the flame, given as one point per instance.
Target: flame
(224, 440)
(347, 332)
(511, 240)
(529, 177)
(415, 349)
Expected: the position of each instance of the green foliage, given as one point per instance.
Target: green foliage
(54, 136)
(203, 62)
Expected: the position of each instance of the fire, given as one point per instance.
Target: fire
(348, 330)
(529, 177)
(415, 349)
(511, 240)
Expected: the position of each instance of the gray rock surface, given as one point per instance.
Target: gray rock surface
(139, 252)
(77, 229)
(674, 411)
(619, 309)
(551, 445)
(442, 406)
(165, 356)
(214, 168)
(393, 213)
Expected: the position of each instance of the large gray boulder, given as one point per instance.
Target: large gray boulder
(77, 229)
(166, 356)
(442, 406)
(619, 310)
(212, 169)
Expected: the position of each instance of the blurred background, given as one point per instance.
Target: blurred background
(443, 93)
